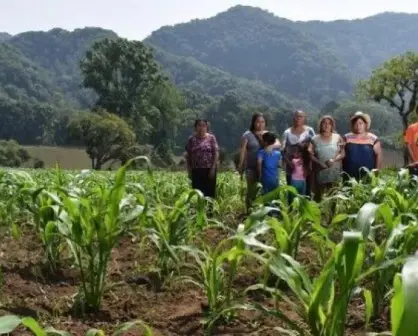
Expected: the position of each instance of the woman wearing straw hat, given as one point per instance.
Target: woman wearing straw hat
(362, 148)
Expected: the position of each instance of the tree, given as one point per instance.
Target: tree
(395, 83)
(164, 115)
(106, 136)
(122, 73)
(11, 154)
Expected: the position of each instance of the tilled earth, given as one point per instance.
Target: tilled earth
(28, 290)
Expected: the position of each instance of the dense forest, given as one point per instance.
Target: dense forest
(223, 68)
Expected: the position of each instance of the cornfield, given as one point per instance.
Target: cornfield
(134, 253)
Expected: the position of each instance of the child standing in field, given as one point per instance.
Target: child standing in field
(299, 173)
(268, 164)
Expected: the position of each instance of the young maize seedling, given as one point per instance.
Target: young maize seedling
(215, 274)
(92, 227)
(169, 228)
(322, 303)
(9, 323)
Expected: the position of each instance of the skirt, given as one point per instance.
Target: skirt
(201, 181)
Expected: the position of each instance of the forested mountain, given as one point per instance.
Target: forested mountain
(4, 36)
(316, 61)
(365, 44)
(227, 66)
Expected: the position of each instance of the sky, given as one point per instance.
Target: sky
(136, 19)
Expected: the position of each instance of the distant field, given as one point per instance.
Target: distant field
(67, 157)
(76, 158)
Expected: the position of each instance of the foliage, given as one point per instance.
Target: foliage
(122, 73)
(40, 73)
(349, 263)
(395, 82)
(105, 136)
(11, 154)
(8, 323)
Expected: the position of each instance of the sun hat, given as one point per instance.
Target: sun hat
(366, 118)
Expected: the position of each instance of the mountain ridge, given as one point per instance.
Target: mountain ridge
(249, 49)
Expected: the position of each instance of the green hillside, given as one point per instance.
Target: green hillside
(315, 61)
(228, 66)
(252, 43)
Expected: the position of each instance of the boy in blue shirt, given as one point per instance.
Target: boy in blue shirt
(268, 164)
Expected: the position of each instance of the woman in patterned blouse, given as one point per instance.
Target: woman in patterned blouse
(202, 159)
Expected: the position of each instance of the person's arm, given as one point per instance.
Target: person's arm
(188, 156)
(215, 149)
(242, 153)
(284, 140)
(259, 165)
(379, 154)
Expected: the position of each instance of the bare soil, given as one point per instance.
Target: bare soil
(177, 309)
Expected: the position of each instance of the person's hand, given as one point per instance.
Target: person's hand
(329, 163)
(269, 149)
(412, 165)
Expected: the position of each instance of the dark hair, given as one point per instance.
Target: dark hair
(304, 152)
(269, 138)
(197, 121)
(254, 119)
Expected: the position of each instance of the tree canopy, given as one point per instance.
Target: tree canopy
(395, 82)
(106, 136)
(122, 73)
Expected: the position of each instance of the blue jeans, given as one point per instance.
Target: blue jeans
(300, 186)
(269, 186)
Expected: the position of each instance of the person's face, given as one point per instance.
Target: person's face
(299, 119)
(260, 124)
(359, 126)
(201, 128)
(326, 126)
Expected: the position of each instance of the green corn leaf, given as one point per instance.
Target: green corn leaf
(339, 218)
(368, 299)
(366, 217)
(404, 306)
(129, 325)
(8, 323)
(31, 324)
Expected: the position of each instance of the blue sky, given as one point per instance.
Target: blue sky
(135, 19)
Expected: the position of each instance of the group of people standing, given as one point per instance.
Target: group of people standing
(313, 161)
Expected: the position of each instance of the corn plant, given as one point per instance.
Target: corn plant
(11, 210)
(9, 323)
(171, 227)
(92, 227)
(44, 206)
(404, 303)
(322, 303)
(214, 272)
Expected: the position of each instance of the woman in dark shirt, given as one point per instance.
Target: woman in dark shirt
(202, 159)
(362, 148)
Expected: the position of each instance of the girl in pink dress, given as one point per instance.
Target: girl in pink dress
(299, 173)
